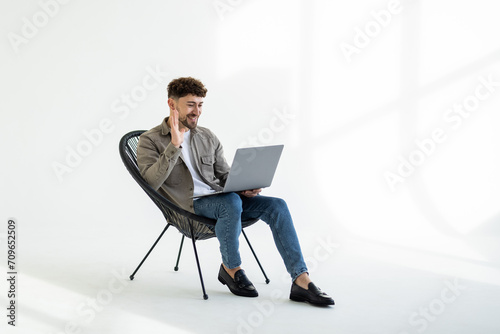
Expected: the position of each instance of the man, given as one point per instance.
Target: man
(181, 160)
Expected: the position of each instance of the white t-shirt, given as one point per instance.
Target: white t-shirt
(200, 187)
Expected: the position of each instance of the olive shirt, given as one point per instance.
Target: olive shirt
(162, 165)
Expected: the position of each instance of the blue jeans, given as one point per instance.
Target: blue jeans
(230, 209)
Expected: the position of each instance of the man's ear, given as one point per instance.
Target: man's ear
(171, 103)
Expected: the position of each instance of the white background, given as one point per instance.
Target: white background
(276, 72)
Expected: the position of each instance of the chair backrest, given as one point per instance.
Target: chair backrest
(186, 222)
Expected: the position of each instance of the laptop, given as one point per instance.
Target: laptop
(252, 168)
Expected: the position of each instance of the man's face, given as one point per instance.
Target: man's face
(189, 108)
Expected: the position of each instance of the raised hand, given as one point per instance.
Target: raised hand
(176, 132)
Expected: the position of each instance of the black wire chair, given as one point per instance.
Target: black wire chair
(187, 223)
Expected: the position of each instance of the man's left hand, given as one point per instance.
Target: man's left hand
(251, 193)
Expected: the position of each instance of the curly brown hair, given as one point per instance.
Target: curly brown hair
(181, 87)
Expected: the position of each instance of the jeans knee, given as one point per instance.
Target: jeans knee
(281, 214)
(232, 205)
(280, 204)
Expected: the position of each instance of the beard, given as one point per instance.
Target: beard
(189, 123)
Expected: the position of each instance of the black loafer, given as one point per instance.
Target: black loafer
(313, 295)
(240, 286)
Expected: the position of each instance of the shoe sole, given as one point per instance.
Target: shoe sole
(301, 299)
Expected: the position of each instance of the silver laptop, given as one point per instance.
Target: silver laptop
(252, 168)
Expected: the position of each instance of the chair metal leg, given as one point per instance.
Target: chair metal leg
(176, 268)
(150, 250)
(205, 296)
(255, 255)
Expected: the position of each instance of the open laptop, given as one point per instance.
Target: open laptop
(252, 168)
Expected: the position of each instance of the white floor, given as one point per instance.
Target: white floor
(78, 283)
